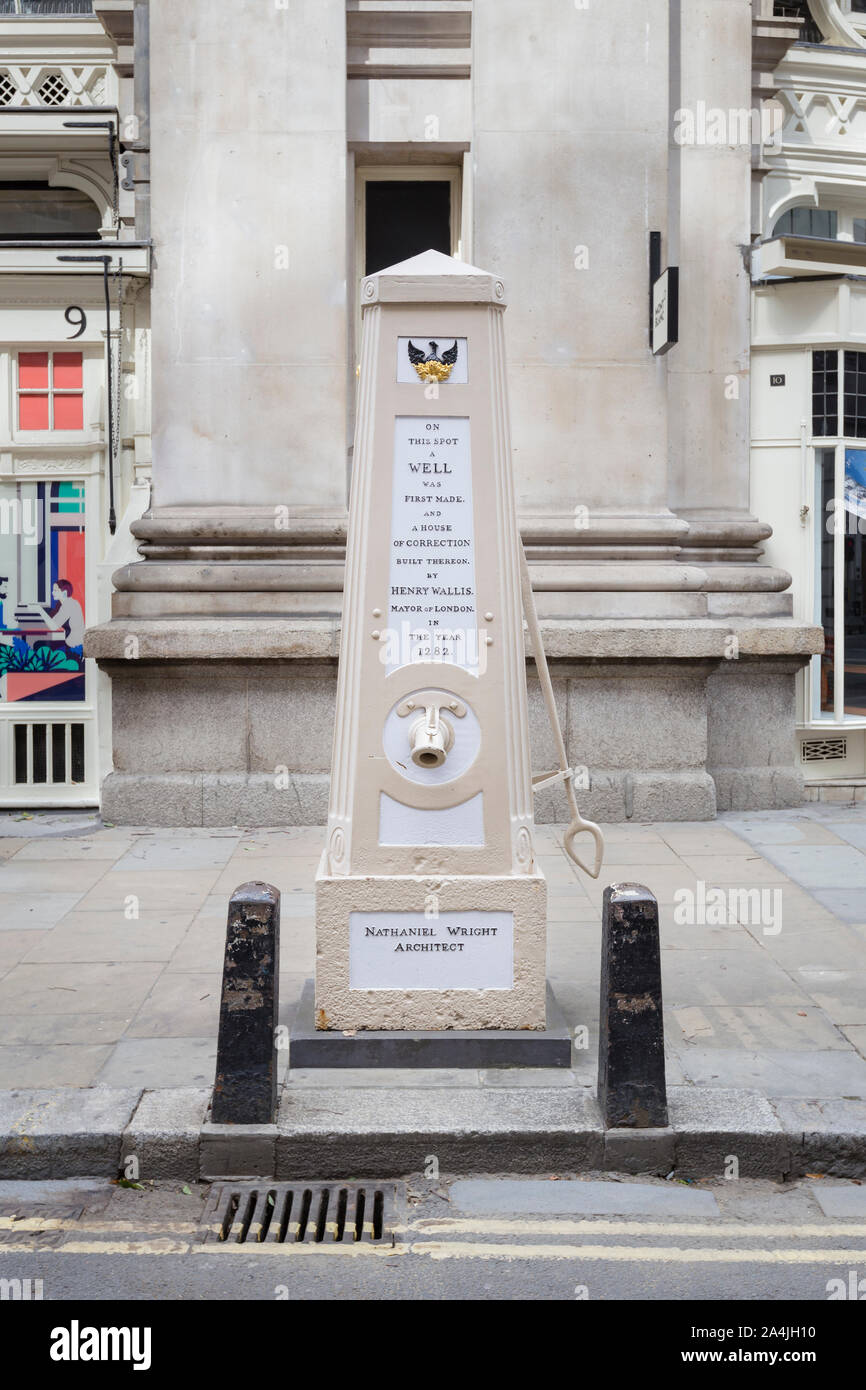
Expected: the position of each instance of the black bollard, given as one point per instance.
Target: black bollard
(245, 1087)
(631, 1052)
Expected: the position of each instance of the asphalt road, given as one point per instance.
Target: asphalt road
(594, 1239)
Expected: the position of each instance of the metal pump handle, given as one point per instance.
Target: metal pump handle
(578, 825)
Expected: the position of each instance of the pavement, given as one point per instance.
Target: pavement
(111, 943)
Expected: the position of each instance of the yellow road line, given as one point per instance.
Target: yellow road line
(166, 1246)
(568, 1227)
(455, 1250)
(62, 1223)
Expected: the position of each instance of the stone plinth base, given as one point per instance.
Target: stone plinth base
(481, 1048)
(231, 722)
(355, 903)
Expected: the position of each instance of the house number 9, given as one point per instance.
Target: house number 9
(81, 321)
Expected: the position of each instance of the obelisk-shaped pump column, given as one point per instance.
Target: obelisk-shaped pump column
(431, 778)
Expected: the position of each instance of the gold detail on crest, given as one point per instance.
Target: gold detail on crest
(433, 370)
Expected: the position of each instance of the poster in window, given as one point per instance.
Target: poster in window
(42, 572)
(855, 481)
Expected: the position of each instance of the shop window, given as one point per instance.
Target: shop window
(839, 675)
(825, 394)
(855, 395)
(50, 391)
(38, 212)
(825, 462)
(817, 222)
(42, 591)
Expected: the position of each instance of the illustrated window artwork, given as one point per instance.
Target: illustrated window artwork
(50, 391)
(42, 587)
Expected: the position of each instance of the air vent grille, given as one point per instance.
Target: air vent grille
(823, 750)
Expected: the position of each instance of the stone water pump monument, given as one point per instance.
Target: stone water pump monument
(430, 905)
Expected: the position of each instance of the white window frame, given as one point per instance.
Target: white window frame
(58, 794)
(92, 377)
(816, 717)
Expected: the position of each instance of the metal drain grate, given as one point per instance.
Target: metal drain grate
(301, 1212)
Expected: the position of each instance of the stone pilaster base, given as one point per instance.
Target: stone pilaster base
(677, 736)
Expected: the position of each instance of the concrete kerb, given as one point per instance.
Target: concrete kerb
(386, 1132)
(63, 1133)
(164, 1134)
(827, 1136)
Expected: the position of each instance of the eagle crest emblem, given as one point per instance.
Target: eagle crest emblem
(433, 365)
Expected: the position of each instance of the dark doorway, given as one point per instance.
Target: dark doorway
(405, 217)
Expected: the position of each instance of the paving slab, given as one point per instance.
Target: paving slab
(789, 833)
(34, 910)
(740, 975)
(852, 832)
(15, 945)
(46, 1029)
(51, 1191)
(179, 1004)
(836, 1115)
(776, 1073)
(848, 904)
(167, 852)
(753, 1027)
(101, 936)
(568, 1197)
(161, 1062)
(38, 1064)
(841, 994)
(840, 1202)
(94, 847)
(76, 988)
(151, 890)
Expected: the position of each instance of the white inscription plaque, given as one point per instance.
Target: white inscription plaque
(431, 613)
(406, 950)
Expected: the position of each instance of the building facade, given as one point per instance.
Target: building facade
(74, 407)
(809, 374)
(250, 163)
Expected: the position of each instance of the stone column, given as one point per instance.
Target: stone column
(570, 178)
(248, 166)
(248, 151)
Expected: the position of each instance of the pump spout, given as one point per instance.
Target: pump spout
(430, 738)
